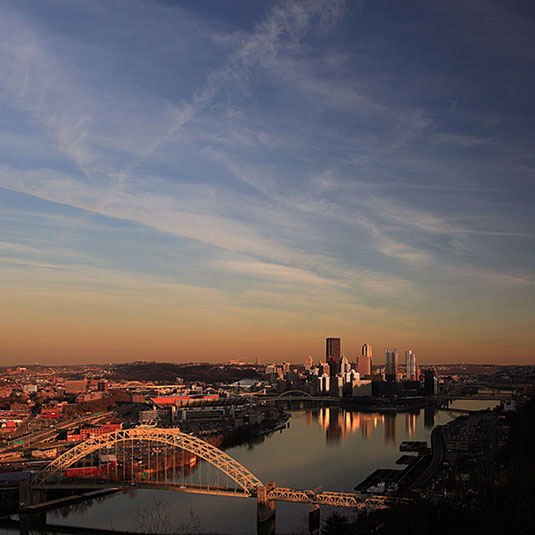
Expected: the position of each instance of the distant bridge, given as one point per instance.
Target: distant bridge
(297, 395)
(456, 393)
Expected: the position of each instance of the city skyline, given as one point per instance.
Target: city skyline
(186, 181)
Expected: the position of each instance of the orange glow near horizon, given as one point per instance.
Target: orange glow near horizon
(57, 325)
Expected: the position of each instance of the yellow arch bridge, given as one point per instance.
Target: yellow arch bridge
(129, 445)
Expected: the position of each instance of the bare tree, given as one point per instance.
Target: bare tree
(154, 519)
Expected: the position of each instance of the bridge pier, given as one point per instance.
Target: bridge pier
(29, 495)
(29, 523)
(314, 519)
(265, 510)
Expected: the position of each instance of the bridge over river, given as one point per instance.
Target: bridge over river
(155, 458)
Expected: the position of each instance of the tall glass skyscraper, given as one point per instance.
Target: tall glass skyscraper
(333, 349)
(391, 364)
(410, 366)
(333, 352)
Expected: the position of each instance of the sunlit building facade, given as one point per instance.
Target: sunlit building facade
(410, 366)
(364, 365)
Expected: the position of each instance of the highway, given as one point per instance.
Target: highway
(438, 452)
(46, 434)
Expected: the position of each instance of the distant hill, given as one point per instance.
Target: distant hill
(167, 372)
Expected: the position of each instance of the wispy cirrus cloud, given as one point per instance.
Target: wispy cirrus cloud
(311, 153)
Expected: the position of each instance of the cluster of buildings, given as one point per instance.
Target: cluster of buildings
(64, 405)
(209, 398)
(337, 376)
(36, 397)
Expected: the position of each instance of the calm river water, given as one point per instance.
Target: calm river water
(328, 447)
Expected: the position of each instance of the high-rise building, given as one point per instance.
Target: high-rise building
(430, 383)
(364, 365)
(411, 366)
(391, 364)
(333, 352)
(308, 363)
(333, 349)
(344, 364)
(364, 361)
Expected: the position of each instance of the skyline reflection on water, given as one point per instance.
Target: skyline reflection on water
(338, 423)
(329, 447)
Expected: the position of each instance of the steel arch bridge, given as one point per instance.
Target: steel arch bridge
(169, 437)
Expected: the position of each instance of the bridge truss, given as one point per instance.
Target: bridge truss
(128, 443)
(245, 480)
(336, 499)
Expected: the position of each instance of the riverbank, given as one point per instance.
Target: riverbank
(329, 447)
(484, 488)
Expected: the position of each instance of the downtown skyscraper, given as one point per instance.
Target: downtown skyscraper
(410, 366)
(333, 352)
(391, 364)
(364, 361)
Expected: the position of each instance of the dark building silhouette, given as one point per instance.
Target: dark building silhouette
(333, 348)
(391, 365)
(333, 352)
(430, 383)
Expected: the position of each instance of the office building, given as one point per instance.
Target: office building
(410, 366)
(364, 365)
(333, 349)
(366, 350)
(76, 386)
(364, 361)
(333, 352)
(430, 383)
(391, 365)
(344, 365)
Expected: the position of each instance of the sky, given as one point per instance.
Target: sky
(199, 180)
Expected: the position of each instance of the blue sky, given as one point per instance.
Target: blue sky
(198, 179)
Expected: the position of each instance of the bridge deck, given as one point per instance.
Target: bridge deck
(178, 487)
(281, 494)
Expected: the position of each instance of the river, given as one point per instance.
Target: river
(328, 447)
